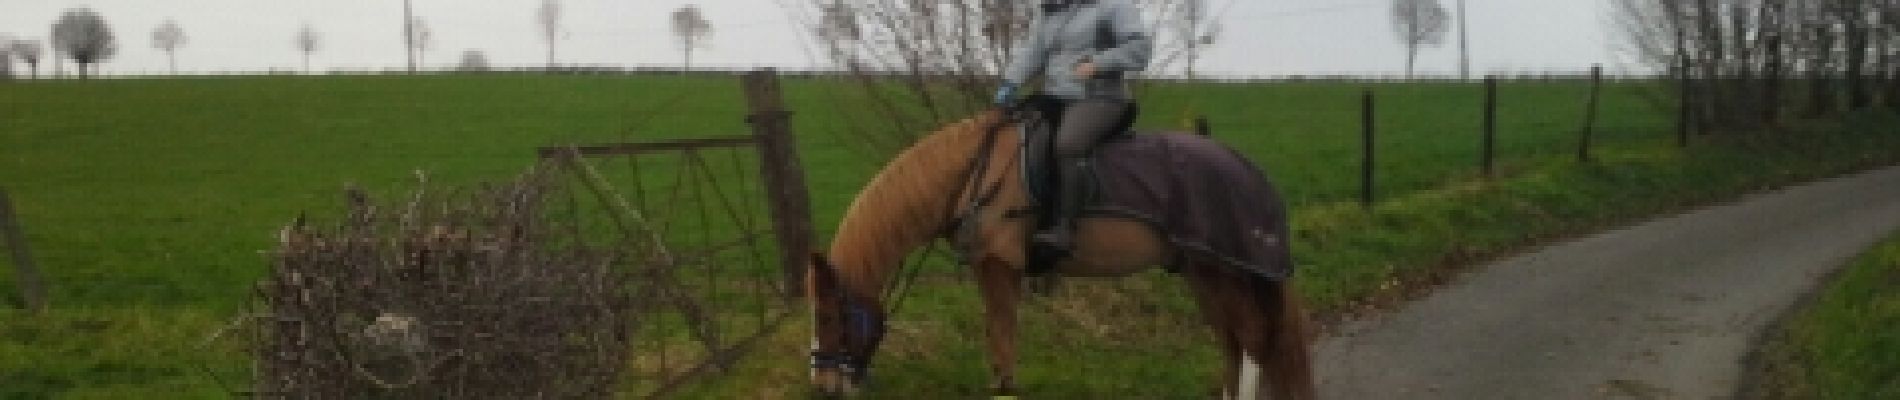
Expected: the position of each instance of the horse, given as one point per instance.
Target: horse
(963, 183)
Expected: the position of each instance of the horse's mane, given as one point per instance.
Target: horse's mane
(905, 204)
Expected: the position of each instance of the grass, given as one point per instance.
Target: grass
(1842, 345)
(147, 202)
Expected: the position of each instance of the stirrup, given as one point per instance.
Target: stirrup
(1056, 239)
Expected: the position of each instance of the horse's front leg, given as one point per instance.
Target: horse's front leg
(1000, 285)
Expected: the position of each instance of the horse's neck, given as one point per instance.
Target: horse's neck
(906, 206)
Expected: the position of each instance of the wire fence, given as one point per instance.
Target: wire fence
(608, 69)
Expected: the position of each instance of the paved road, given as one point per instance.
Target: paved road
(1663, 310)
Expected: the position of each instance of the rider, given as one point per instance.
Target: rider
(1084, 50)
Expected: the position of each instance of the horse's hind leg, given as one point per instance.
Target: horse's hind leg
(1289, 342)
(1001, 286)
(1212, 294)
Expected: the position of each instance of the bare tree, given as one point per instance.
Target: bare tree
(692, 30)
(1192, 29)
(420, 40)
(168, 37)
(473, 61)
(1855, 27)
(1464, 43)
(82, 34)
(915, 64)
(308, 41)
(409, 34)
(1419, 24)
(27, 52)
(838, 28)
(549, 16)
(1736, 58)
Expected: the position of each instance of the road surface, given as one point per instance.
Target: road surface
(1667, 309)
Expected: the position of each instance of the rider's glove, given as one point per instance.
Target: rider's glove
(1004, 93)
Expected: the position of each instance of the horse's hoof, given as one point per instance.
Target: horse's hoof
(1003, 393)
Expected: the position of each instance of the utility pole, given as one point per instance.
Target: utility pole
(1464, 49)
(409, 34)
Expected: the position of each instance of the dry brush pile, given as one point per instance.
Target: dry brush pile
(497, 291)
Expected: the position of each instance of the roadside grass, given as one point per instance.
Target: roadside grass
(1844, 344)
(148, 202)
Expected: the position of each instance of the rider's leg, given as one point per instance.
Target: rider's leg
(1083, 125)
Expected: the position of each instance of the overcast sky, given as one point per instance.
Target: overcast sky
(1262, 37)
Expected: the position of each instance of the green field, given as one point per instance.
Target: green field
(148, 202)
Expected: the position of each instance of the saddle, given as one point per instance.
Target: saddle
(1208, 201)
(1042, 116)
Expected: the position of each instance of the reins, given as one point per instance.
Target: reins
(956, 215)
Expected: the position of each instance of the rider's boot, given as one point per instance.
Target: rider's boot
(1060, 236)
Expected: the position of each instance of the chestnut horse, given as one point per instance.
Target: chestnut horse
(961, 183)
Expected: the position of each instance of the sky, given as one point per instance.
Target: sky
(1260, 37)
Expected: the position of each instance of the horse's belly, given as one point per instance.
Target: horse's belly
(1107, 247)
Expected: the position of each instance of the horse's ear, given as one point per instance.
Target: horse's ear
(822, 272)
(819, 263)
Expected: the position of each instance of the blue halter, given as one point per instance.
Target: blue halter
(858, 320)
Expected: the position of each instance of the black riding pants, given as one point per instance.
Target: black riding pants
(1085, 123)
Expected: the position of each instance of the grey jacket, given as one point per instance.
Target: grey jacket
(1109, 33)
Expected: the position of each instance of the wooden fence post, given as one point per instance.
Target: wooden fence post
(26, 275)
(1366, 120)
(1590, 114)
(784, 176)
(1684, 94)
(1487, 152)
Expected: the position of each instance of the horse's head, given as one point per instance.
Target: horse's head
(846, 330)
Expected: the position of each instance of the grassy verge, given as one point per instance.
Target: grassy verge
(1355, 257)
(1844, 344)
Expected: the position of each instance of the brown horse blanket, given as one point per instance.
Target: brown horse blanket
(1206, 199)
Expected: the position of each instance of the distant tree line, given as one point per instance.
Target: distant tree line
(83, 36)
(1751, 63)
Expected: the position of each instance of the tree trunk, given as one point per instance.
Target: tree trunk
(306, 63)
(1820, 62)
(1464, 47)
(1774, 25)
(1411, 57)
(171, 60)
(1857, 95)
(1771, 82)
(1710, 95)
(409, 34)
(1893, 86)
(1820, 99)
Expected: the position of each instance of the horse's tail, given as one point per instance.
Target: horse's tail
(1289, 338)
